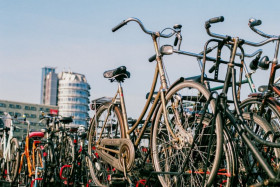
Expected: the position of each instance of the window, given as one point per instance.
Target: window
(2, 105)
(18, 107)
(33, 108)
(41, 109)
(11, 105)
(18, 114)
(32, 124)
(33, 115)
(26, 115)
(27, 107)
(11, 113)
(1, 113)
(47, 109)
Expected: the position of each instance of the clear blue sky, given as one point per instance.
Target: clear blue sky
(77, 35)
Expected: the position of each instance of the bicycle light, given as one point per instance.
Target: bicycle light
(166, 49)
(264, 63)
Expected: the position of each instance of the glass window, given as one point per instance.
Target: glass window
(18, 107)
(11, 105)
(11, 113)
(33, 108)
(2, 105)
(26, 115)
(33, 115)
(27, 107)
(18, 114)
(47, 109)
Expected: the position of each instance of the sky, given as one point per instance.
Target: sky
(76, 35)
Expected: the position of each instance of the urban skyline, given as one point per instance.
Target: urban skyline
(78, 35)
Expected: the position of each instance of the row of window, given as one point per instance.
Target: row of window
(74, 99)
(80, 85)
(76, 107)
(26, 115)
(33, 108)
(73, 92)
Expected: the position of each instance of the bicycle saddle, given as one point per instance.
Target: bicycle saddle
(36, 135)
(118, 74)
(66, 120)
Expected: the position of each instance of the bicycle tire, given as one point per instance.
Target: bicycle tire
(50, 163)
(271, 113)
(249, 171)
(13, 160)
(23, 178)
(40, 161)
(200, 95)
(99, 169)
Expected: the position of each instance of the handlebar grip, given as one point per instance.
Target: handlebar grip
(176, 41)
(216, 19)
(152, 58)
(212, 68)
(254, 22)
(119, 26)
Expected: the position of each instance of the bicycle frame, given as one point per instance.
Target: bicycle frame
(159, 72)
(6, 142)
(30, 165)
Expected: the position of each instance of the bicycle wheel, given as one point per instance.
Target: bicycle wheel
(249, 170)
(270, 113)
(13, 161)
(85, 176)
(23, 178)
(50, 163)
(40, 166)
(99, 169)
(189, 155)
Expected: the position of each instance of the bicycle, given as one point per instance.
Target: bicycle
(77, 173)
(264, 134)
(110, 143)
(10, 149)
(266, 103)
(32, 161)
(259, 138)
(58, 146)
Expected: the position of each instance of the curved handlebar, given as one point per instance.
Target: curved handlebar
(252, 23)
(142, 27)
(255, 22)
(216, 19)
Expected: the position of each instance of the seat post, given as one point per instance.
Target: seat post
(124, 114)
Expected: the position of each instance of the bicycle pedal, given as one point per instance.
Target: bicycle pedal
(116, 179)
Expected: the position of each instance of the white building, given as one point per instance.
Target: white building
(73, 96)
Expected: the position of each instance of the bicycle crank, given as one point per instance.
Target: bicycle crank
(114, 151)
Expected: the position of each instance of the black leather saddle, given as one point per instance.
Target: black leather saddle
(66, 120)
(118, 74)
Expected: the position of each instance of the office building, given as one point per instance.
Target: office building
(31, 111)
(49, 86)
(73, 97)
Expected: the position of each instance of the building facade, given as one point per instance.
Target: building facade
(49, 86)
(31, 111)
(73, 97)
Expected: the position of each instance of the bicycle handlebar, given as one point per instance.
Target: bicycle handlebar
(142, 27)
(253, 23)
